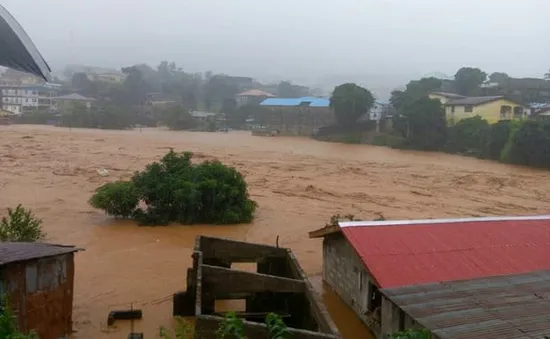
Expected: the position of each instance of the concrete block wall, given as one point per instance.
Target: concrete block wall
(341, 267)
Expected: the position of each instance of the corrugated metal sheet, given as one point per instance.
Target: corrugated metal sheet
(400, 255)
(514, 306)
(21, 251)
(281, 102)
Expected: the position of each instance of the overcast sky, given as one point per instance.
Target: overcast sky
(294, 39)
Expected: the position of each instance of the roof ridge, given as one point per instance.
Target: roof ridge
(412, 222)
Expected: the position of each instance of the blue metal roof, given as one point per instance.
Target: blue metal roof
(281, 102)
(314, 102)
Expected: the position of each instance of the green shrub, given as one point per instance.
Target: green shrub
(468, 136)
(276, 328)
(529, 144)
(21, 225)
(231, 328)
(176, 190)
(499, 134)
(8, 326)
(182, 330)
(412, 334)
(389, 140)
(119, 199)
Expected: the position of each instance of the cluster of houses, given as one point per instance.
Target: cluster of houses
(299, 116)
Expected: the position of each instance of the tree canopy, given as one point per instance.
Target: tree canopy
(177, 190)
(415, 90)
(468, 80)
(423, 124)
(349, 102)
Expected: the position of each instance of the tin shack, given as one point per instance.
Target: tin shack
(37, 279)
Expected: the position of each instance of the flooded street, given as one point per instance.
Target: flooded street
(298, 183)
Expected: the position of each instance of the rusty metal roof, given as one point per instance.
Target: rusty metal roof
(513, 306)
(20, 251)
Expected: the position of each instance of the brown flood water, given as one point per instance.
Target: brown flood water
(299, 183)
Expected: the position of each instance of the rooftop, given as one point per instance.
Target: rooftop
(474, 100)
(449, 95)
(74, 97)
(513, 306)
(255, 93)
(436, 250)
(11, 252)
(293, 102)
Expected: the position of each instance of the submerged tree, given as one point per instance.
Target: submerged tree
(176, 190)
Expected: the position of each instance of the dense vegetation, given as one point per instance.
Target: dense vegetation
(412, 334)
(349, 103)
(177, 190)
(21, 225)
(231, 328)
(8, 325)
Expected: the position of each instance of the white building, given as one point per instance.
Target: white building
(378, 111)
(24, 98)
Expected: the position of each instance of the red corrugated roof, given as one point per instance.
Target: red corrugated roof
(400, 255)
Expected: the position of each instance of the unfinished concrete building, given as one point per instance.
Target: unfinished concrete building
(278, 285)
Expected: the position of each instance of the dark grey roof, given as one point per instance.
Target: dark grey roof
(513, 306)
(17, 49)
(20, 251)
(474, 100)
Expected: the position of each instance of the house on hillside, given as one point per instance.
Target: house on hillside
(27, 98)
(38, 280)
(492, 109)
(295, 116)
(65, 102)
(445, 97)
(252, 97)
(542, 114)
(364, 261)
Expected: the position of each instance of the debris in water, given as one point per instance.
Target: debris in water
(103, 172)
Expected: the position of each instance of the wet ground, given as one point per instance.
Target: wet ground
(298, 183)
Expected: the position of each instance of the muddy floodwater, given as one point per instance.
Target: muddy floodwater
(298, 183)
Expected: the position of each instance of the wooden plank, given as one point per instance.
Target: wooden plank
(219, 280)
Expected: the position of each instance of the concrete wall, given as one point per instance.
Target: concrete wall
(40, 292)
(299, 121)
(342, 269)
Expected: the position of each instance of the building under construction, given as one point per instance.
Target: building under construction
(278, 286)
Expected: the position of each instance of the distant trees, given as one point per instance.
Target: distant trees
(499, 77)
(285, 89)
(468, 80)
(547, 75)
(414, 90)
(349, 102)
